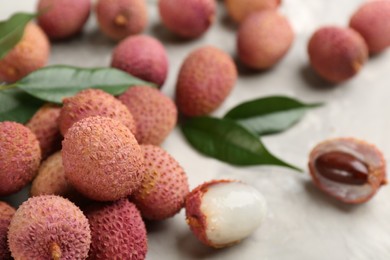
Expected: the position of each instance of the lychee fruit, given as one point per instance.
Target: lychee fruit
(154, 113)
(263, 39)
(49, 227)
(102, 158)
(222, 213)
(44, 124)
(30, 54)
(371, 20)
(6, 213)
(187, 19)
(118, 231)
(206, 78)
(121, 18)
(20, 156)
(164, 187)
(239, 10)
(142, 56)
(61, 19)
(93, 102)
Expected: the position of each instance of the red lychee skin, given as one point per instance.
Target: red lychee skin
(121, 18)
(164, 187)
(93, 102)
(371, 20)
(154, 113)
(44, 124)
(206, 78)
(377, 173)
(142, 56)
(118, 231)
(20, 156)
(263, 39)
(102, 159)
(239, 10)
(30, 54)
(188, 19)
(6, 213)
(337, 54)
(61, 19)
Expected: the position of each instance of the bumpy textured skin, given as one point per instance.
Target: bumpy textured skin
(371, 21)
(6, 213)
(102, 158)
(188, 19)
(30, 54)
(44, 124)
(164, 187)
(121, 18)
(239, 10)
(142, 56)
(154, 113)
(337, 54)
(206, 78)
(20, 156)
(264, 39)
(42, 221)
(93, 102)
(118, 231)
(62, 19)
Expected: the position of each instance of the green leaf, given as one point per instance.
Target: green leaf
(269, 115)
(54, 83)
(16, 105)
(225, 140)
(11, 31)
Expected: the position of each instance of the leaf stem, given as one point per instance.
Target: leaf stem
(5, 87)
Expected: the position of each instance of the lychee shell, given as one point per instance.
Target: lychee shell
(239, 10)
(6, 213)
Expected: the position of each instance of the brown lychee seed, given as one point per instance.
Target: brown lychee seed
(371, 20)
(6, 213)
(337, 54)
(239, 10)
(121, 18)
(187, 19)
(61, 19)
(348, 169)
(205, 80)
(263, 39)
(30, 54)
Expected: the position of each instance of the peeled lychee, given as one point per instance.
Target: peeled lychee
(188, 19)
(62, 19)
(263, 39)
(93, 102)
(222, 213)
(30, 54)
(6, 213)
(20, 156)
(44, 124)
(337, 54)
(118, 231)
(371, 20)
(206, 78)
(102, 158)
(239, 10)
(121, 18)
(49, 227)
(164, 187)
(154, 113)
(142, 56)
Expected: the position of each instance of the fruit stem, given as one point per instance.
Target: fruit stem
(120, 20)
(5, 87)
(55, 251)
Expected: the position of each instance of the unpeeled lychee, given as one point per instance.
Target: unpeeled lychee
(49, 227)
(206, 78)
(239, 10)
(164, 187)
(30, 54)
(6, 213)
(102, 158)
(154, 113)
(142, 56)
(20, 156)
(118, 231)
(121, 18)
